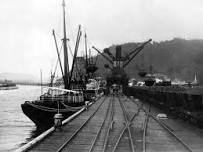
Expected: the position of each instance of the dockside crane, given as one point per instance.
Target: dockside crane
(90, 65)
(118, 63)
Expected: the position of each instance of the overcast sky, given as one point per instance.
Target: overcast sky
(26, 41)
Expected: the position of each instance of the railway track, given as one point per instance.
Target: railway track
(109, 133)
(114, 124)
(150, 127)
(128, 121)
(120, 137)
(75, 138)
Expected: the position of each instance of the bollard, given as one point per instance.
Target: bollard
(58, 120)
(86, 104)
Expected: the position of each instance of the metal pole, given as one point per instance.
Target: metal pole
(58, 53)
(41, 80)
(66, 63)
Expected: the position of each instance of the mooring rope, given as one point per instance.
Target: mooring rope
(48, 109)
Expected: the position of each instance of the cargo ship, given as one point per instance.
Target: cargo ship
(67, 99)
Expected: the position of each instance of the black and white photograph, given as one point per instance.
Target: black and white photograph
(101, 76)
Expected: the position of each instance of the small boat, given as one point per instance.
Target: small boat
(8, 85)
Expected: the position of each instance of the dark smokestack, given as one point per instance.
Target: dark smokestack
(118, 52)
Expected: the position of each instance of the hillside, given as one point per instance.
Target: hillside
(178, 58)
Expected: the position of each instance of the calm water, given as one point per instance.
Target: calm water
(15, 128)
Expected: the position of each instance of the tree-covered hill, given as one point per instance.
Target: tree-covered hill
(178, 58)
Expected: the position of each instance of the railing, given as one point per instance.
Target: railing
(60, 90)
(58, 94)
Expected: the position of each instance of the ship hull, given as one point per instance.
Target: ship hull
(43, 118)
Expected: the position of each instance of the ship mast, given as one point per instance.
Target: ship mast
(86, 64)
(66, 64)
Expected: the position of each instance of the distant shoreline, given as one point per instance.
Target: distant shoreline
(31, 83)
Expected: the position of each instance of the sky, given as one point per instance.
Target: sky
(27, 44)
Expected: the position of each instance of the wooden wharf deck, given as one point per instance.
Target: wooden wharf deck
(115, 123)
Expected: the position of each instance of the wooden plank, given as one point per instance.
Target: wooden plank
(58, 137)
(157, 138)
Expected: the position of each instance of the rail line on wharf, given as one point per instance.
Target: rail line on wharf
(62, 136)
(173, 143)
(82, 126)
(100, 128)
(114, 123)
(126, 127)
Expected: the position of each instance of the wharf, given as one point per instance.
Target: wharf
(117, 123)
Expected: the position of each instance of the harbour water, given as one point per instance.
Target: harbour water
(15, 128)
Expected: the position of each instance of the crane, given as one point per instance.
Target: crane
(119, 63)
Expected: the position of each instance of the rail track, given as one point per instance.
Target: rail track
(65, 145)
(108, 132)
(128, 121)
(112, 124)
(177, 143)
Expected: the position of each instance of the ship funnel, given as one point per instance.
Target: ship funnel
(118, 52)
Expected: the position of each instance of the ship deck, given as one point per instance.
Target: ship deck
(118, 123)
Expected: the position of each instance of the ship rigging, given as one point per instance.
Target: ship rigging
(56, 102)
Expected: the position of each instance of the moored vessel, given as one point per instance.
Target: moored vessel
(66, 100)
(8, 85)
(54, 101)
